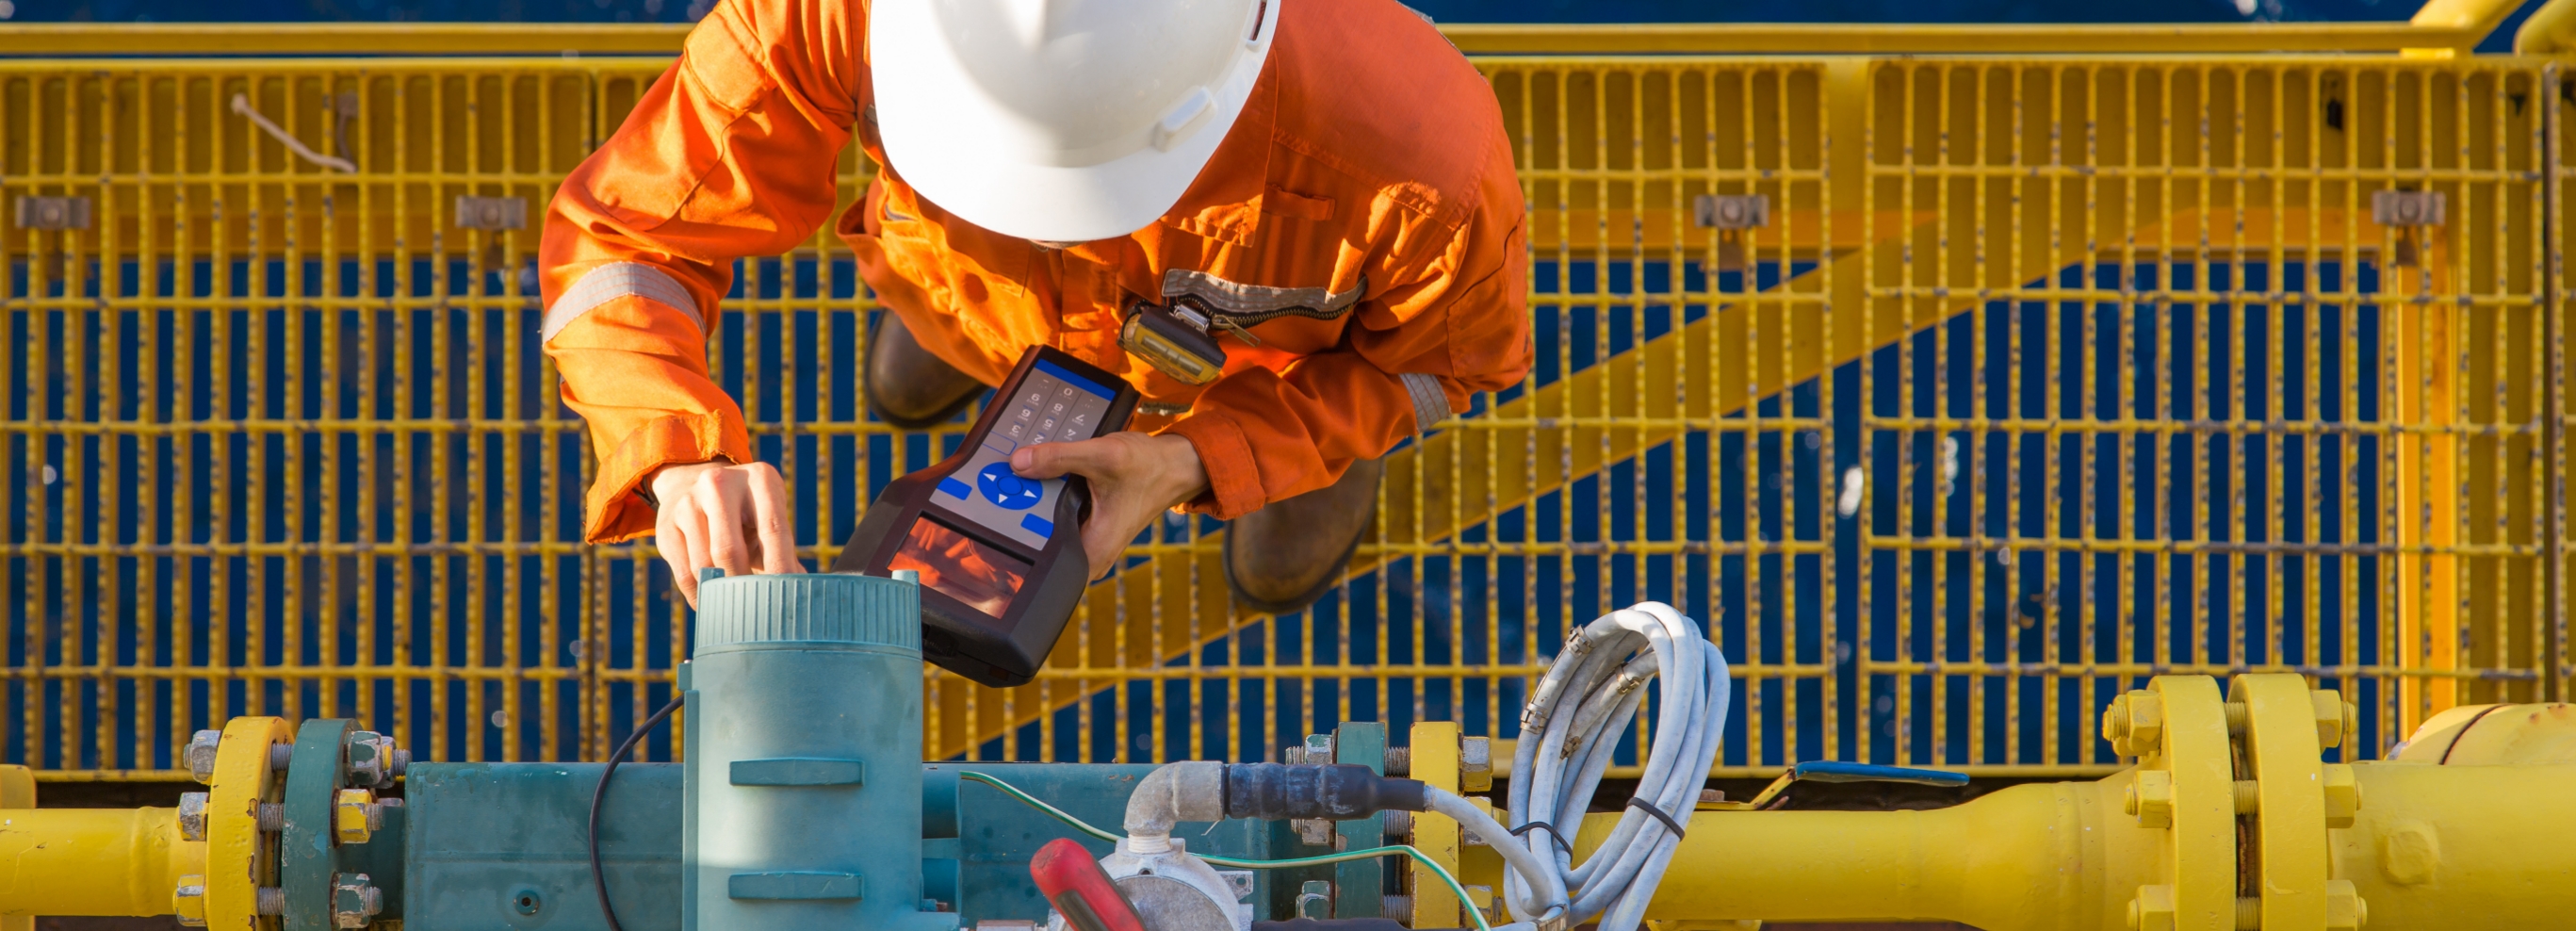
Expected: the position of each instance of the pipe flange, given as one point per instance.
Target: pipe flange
(241, 859)
(2185, 785)
(2296, 800)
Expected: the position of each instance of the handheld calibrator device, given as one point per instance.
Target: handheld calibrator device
(1000, 556)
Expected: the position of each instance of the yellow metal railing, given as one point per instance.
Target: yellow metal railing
(2038, 375)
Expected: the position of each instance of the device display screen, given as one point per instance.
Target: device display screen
(978, 576)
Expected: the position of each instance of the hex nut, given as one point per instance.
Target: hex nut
(2342, 794)
(192, 816)
(2134, 723)
(2345, 909)
(1314, 832)
(2115, 724)
(2146, 722)
(189, 901)
(354, 901)
(2152, 910)
(1476, 764)
(2330, 717)
(2151, 798)
(354, 816)
(201, 755)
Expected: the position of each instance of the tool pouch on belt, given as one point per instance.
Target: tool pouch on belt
(1174, 340)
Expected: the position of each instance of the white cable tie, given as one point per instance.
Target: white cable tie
(241, 105)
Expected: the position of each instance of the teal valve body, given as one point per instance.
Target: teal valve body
(802, 787)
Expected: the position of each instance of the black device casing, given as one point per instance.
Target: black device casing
(990, 650)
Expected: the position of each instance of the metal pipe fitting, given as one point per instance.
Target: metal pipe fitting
(1173, 793)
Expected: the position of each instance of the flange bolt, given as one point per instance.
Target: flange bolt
(355, 816)
(192, 816)
(1476, 764)
(2152, 910)
(2345, 910)
(2150, 798)
(189, 901)
(201, 755)
(354, 900)
(2343, 795)
(2135, 723)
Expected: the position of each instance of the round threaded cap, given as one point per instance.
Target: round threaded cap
(816, 607)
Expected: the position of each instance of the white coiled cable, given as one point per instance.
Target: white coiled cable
(1570, 730)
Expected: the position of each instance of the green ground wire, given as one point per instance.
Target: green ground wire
(1466, 904)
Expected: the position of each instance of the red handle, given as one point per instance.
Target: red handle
(1080, 890)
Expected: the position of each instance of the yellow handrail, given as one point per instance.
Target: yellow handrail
(2443, 25)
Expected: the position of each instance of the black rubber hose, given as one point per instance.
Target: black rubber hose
(1335, 792)
(598, 880)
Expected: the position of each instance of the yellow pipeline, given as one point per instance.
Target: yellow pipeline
(93, 861)
(2450, 847)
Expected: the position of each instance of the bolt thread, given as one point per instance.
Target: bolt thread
(2249, 914)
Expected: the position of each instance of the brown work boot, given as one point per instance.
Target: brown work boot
(1281, 558)
(907, 386)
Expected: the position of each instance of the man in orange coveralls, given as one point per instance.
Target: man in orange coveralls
(1323, 186)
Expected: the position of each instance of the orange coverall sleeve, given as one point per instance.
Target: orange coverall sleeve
(730, 154)
(1461, 318)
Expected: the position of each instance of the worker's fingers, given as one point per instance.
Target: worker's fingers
(769, 521)
(727, 508)
(673, 543)
(1100, 458)
(693, 530)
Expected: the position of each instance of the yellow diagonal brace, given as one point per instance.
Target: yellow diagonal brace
(1551, 437)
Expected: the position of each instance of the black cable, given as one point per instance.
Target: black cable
(1551, 834)
(597, 879)
(1649, 808)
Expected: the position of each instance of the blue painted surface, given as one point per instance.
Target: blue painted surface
(490, 846)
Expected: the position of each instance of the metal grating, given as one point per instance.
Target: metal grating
(2177, 400)
(2102, 355)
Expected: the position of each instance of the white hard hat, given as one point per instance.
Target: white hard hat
(1065, 120)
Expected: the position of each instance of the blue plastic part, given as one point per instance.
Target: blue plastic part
(1037, 525)
(819, 667)
(1836, 771)
(955, 489)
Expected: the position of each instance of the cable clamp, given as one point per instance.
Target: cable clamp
(1649, 808)
(1551, 833)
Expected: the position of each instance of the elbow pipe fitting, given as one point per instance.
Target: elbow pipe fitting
(1173, 793)
(1204, 791)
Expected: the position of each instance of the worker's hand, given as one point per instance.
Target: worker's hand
(732, 517)
(1134, 478)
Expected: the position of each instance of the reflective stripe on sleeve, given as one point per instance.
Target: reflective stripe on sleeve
(615, 280)
(1430, 404)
